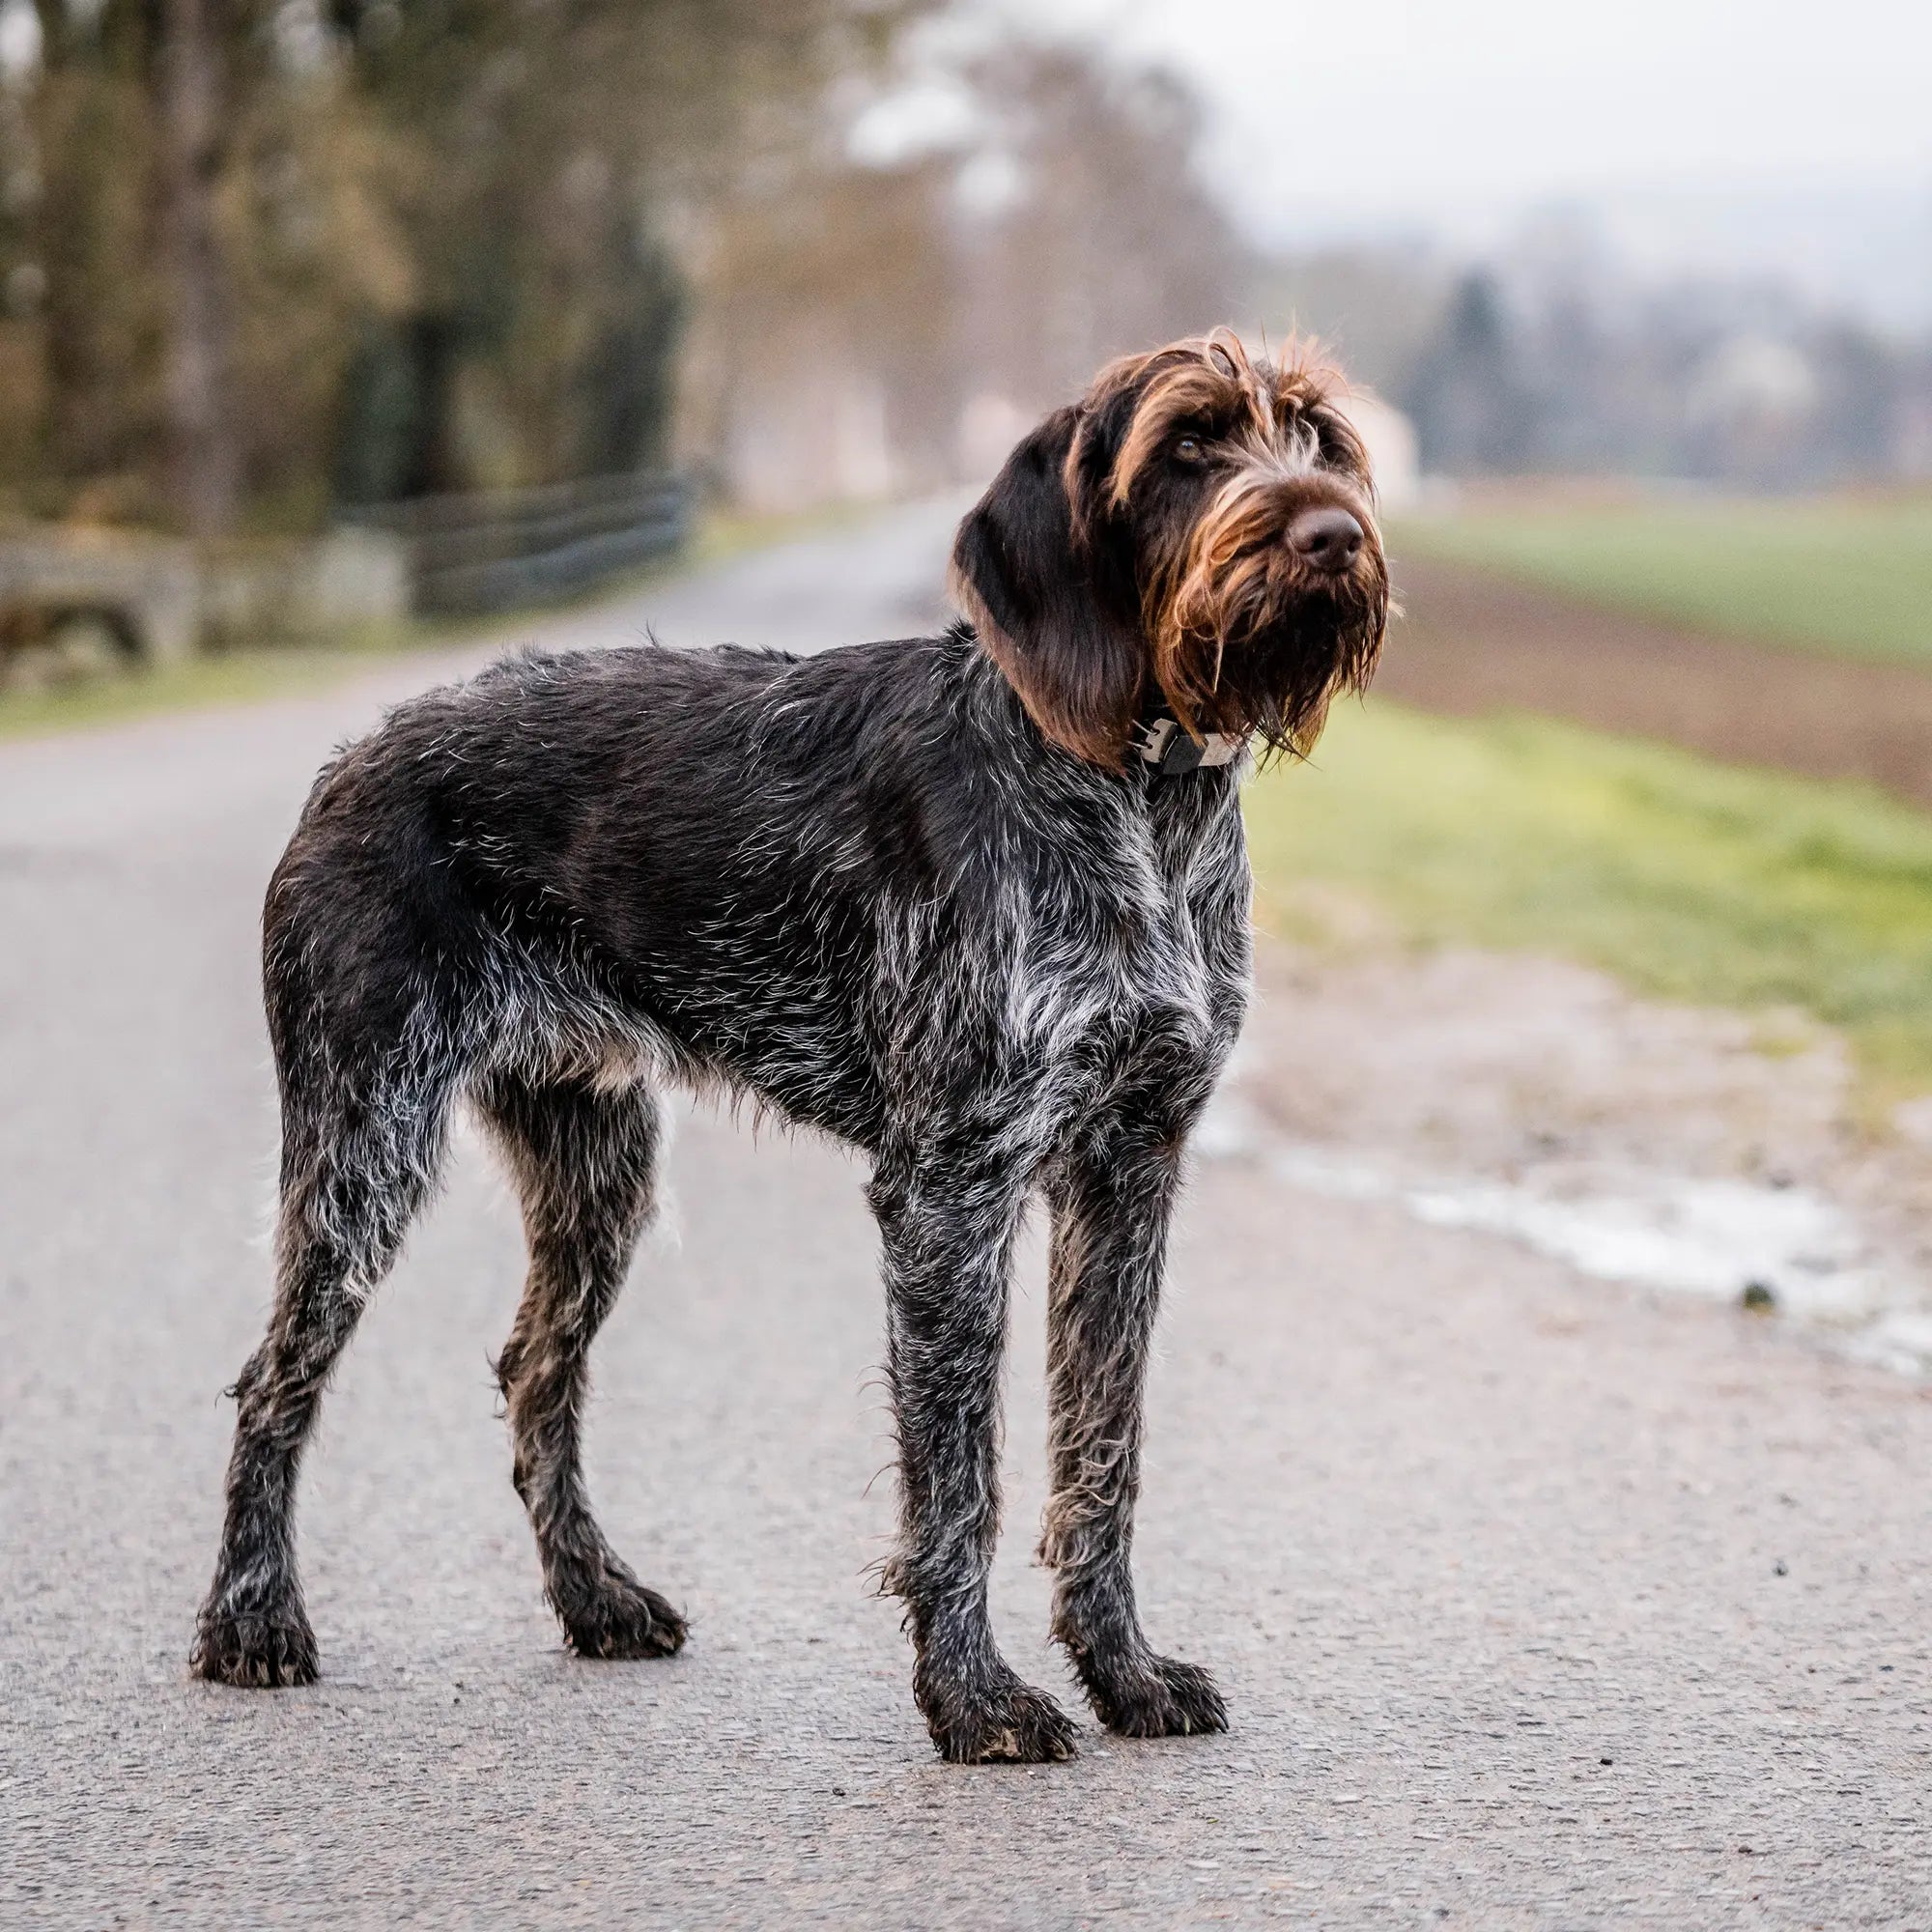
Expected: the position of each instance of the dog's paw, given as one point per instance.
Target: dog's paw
(1012, 1723)
(255, 1651)
(1153, 1696)
(619, 1619)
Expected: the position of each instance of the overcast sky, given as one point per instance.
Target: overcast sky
(1763, 129)
(1399, 102)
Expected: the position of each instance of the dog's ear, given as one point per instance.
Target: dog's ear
(1026, 573)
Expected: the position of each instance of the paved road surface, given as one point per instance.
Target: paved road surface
(1536, 1604)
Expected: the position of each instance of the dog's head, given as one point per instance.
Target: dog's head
(1201, 524)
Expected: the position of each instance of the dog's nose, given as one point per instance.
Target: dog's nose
(1328, 538)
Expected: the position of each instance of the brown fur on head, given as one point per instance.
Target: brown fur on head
(1136, 546)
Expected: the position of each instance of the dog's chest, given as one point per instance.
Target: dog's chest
(1138, 941)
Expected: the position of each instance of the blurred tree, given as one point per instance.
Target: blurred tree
(824, 364)
(1471, 408)
(1107, 240)
(549, 139)
(888, 318)
(194, 46)
(1863, 385)
(86, 191)
(22, 290)
(265, 251)
(261, 257)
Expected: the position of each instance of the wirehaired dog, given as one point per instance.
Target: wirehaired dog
(976, 904)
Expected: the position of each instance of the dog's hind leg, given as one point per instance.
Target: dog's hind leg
(584, 1162)
(361, 1151)
(1112, 1197)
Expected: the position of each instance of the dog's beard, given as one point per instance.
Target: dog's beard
(1248, 640)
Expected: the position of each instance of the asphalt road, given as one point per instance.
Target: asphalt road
(1536, 1604)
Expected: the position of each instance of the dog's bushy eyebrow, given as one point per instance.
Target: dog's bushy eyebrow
(1308, 389)
(1188, 391)
(1137, 404)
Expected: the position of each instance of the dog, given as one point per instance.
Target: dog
(976, 904)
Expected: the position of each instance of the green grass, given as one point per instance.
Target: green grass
(1847, 575)
(1695, 881)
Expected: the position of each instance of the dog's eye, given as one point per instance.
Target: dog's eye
(1188, 449)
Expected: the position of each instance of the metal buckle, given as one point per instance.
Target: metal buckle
(1153, 738)
(1164, 745)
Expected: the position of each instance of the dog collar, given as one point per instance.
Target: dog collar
(1162, 743)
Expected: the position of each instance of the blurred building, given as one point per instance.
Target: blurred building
(1393, 450)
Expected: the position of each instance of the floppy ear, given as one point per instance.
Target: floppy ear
(1032, 589)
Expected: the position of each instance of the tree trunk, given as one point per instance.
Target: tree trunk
(203, 456)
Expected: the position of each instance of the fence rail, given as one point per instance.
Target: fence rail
(500, 548)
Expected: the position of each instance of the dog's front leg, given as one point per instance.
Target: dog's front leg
(949, 1220)
(1112, 1200)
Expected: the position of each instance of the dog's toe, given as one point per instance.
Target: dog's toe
(1158, 1697)
(1012, 1724)
(621, 1619)
(253, 1650)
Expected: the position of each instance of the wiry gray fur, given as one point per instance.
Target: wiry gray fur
(874, 894)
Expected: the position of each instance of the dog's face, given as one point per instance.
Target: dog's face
(1200, 523)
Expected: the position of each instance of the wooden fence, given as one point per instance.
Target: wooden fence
(497, 550)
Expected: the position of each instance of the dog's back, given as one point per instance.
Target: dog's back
(607, 858)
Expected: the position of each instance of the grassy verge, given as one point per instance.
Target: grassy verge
(235, 677)
(1848, 575)
(245, 676)
(1695, 881)
(238, 677)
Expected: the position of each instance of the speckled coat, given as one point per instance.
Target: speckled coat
(875, 893)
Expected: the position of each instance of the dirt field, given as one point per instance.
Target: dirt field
(1474, 643)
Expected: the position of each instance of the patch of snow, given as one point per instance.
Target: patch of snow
(1684, 1235)
(1693, 1237)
